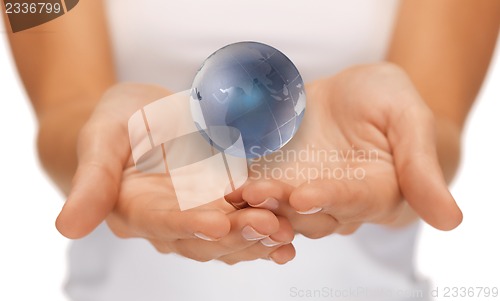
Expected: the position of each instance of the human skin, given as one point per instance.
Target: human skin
(375, 109)
(146, 205)
(444, 47)
(70, 68)
(66, 67)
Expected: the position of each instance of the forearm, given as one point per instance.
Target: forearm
(445, 47)
(57, 140)
(65, 65)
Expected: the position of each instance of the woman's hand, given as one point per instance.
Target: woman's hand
(108, 187)
(365, 153)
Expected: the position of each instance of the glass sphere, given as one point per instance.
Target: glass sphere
(253, 88)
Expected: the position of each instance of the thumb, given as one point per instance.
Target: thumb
(103, 151)
(411, 135)
(96, 183)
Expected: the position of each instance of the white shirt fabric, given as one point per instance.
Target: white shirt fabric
(164, 42)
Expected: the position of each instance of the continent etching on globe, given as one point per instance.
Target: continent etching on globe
(254, 88)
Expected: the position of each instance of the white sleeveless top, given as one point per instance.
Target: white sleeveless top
(164, 42)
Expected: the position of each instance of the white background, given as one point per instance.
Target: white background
(32, 253)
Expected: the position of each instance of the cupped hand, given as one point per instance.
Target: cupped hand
(365, 153)
(107, 187)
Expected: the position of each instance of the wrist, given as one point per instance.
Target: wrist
(57, 139)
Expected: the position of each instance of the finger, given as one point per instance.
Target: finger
(276, 194)
(235, 198)
(265, 247)
(284, 235)
(316, 226)
(271, 194)
(170, 225)
(103, 150)
(248, 227)
(411, 134)
(255, 252)
(283, 254)
(347, 200)
(96, 182)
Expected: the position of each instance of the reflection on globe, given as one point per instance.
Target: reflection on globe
(252, 88)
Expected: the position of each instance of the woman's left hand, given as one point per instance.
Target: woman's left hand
(365, 153)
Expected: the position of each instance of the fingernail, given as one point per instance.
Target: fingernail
(270, 257)
(269, 203)
(269, 242)
(204, 237)
(250, 233)
(311, 211)
(239, 205)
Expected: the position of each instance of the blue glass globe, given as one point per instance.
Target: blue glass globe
(252, 88)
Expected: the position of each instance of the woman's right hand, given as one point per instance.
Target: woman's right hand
(107, 186)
